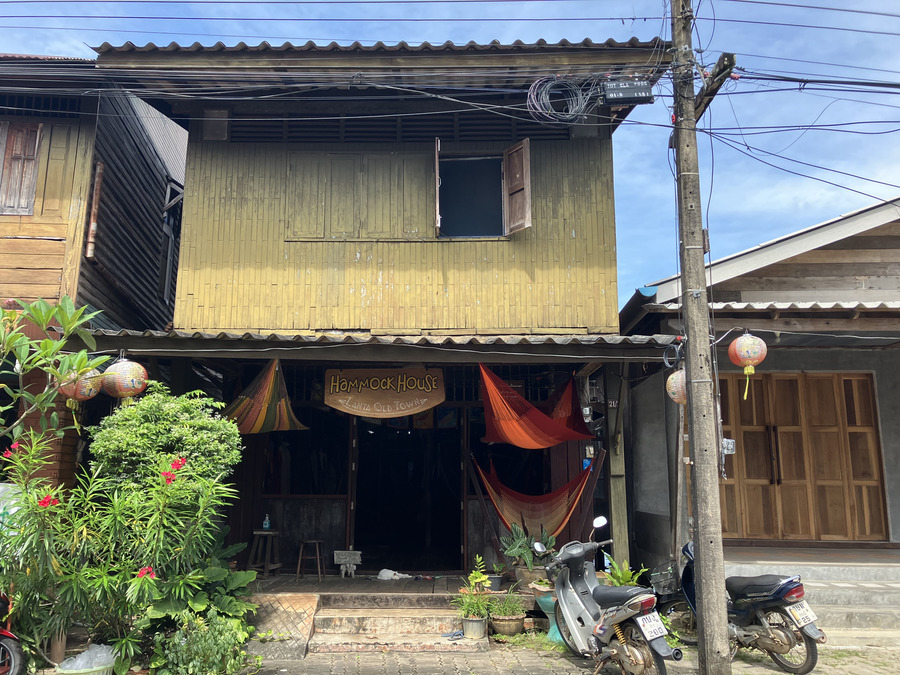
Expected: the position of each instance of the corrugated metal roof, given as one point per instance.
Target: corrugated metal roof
(432, 348)
(54, 59)
(784, 306)
(495, 46)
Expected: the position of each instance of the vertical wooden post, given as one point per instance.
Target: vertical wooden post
(618, 492)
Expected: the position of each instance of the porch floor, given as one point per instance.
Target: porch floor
(362, 584)
(779, 555)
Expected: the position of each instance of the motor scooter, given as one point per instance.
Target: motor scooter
(765, 612)
(607, 623)
(12, 661)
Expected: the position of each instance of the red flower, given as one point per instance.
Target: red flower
(7, 453)
(178, 463)
(168, 475)
(14, 446)
(49, 500)
(147, 571)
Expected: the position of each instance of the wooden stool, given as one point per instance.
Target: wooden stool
(317, 556)
(266, 545)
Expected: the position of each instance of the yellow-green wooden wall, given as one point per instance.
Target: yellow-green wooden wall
(298, 238)
(40, 254)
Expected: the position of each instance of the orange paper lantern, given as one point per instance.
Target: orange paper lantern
(82, 388)
(125, 379)
(747, 351)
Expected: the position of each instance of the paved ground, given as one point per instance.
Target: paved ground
(848, 653)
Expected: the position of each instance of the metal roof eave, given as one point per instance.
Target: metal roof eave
(368, 348)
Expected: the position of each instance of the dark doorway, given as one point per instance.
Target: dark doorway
(408, 516)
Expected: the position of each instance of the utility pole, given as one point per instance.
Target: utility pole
(709, 562)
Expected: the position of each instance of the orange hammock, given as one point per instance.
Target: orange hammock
(550, 511)
(264, 405)
(510, 418)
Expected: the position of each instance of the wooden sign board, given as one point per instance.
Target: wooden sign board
(348, 557)
(384, 392)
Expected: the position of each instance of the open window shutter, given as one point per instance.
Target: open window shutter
(19, 169)
(517, 187)
(437, 186)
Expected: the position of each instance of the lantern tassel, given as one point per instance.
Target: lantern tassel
(748, 371)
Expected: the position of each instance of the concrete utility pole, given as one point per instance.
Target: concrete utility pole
(702, 417)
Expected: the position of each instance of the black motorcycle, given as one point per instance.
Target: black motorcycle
(765, 612)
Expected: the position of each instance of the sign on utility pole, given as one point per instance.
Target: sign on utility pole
(702, 416)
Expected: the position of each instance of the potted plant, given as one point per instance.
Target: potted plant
(473, 602)
(495, 580)
(518, 545)
(508, 613)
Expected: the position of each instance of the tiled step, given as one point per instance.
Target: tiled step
(411, 642)
(844, 617)
(385, 600)
(818, 572)
(395, 621)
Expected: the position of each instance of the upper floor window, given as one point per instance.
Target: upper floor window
(19, 143)
(483, 196)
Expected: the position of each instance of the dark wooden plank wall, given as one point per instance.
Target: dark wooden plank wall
(123, 280)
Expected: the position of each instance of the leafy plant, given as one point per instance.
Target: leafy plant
(622, 575)
(507, 605)
(499, 568)
(210, 645)
(518, 546)
(159, 427)
(473, 602)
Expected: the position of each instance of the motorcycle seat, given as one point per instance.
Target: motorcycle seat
(606, 596)
(764, 584)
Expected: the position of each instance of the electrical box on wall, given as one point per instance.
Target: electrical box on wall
(627, 93)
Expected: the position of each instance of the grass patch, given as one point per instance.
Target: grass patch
(536, 640)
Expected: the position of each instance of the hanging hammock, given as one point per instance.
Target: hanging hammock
(264, 405)
(532, 512)
(568, 409)
(510, 418)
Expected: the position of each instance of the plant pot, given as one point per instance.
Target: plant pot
(496, 581)
(508, 625)
(474, 628)
(525, 576)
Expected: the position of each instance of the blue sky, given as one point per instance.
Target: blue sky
(767, 147)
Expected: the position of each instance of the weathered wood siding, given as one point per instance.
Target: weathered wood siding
(864, 267)
(291, 238)
(38, 253)
(123, 279)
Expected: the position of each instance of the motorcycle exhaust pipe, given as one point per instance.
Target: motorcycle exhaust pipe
(676, 654)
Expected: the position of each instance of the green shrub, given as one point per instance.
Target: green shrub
(211, 645)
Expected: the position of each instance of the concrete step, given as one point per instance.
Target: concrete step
(853, 593)
(411, 642)
(385, 600)
(817, 572)
(396, 621)
(873, 621)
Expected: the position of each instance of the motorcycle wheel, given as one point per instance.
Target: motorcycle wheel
(12, 661)
(803, 657)
(682, 620)
(654, 664)
(564, 631)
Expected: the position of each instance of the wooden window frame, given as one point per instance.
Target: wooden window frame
(515, 188)
(18, 172)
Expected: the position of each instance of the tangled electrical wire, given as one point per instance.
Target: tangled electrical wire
(561, 100)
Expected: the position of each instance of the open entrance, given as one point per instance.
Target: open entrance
(408, 493)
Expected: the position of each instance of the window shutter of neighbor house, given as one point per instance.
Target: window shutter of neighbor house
(517, 187)
(19, 173)
(437, 186)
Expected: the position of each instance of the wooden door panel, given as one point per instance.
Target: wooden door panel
(731, 515)
(870, 520)
(796, 521)
(831, 512)
(760, 513)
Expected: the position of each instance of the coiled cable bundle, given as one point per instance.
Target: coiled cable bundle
(546, 94)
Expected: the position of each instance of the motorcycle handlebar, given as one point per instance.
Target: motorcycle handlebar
(604, 543)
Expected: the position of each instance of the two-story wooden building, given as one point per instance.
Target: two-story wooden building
(90, 189)
(397, 210)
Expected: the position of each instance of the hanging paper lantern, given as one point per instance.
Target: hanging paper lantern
(125, 379)
(747, 351)
(83, 388)
(676, 386)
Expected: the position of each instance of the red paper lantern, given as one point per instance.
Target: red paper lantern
(747, 351)
(676, 386)
(125, 379)
(82, 388)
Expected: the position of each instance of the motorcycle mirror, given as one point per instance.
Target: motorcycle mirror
(539, 547)
(600, 521)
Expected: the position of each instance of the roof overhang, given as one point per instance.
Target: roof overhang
(359, 348)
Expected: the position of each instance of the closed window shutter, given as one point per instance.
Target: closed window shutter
(517, 187)
(17, 181)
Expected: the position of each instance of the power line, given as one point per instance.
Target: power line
(816, 7)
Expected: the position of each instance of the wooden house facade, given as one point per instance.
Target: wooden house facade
(816, 427)
(387, 209)
(88, 208)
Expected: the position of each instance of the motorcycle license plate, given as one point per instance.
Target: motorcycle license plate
(651, 625)
(801, 613)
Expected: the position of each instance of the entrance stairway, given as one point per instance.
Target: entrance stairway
(403, 622)
(847, 588)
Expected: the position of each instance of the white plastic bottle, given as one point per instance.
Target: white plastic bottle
(266, 522)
